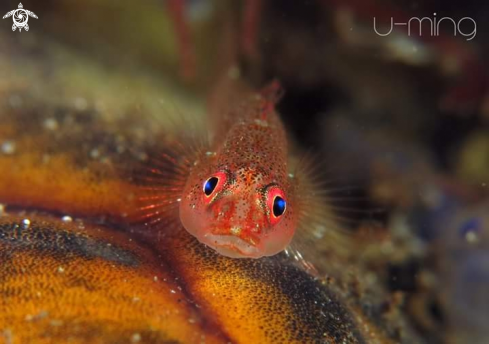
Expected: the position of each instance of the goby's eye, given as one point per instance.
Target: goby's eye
(214, 185)
(276, 204)
(279, 206)
(210, 185)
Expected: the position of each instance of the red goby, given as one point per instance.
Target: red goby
(236, 194)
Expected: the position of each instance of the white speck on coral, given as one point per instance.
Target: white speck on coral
(8, 147)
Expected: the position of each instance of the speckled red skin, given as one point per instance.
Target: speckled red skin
(252, 154)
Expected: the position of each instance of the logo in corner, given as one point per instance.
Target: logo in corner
(20, 17)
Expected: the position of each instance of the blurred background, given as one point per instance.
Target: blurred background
(405, 117)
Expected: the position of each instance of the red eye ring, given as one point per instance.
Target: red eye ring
(274, 194)
(213, 185)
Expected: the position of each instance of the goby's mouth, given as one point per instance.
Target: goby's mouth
(231, 246)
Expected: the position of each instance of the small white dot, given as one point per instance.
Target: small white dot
(50, 124)
(8, 147)
(136, 338)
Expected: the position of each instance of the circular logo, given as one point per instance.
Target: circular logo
(20, 17)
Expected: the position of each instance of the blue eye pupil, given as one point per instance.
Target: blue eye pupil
(210, 185)
(278, 206)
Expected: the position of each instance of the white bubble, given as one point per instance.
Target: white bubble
(94, 153)
(136, 338)
(26, 223)
(67, 218)
(50, 124)
(8, 147)
(471, 237)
